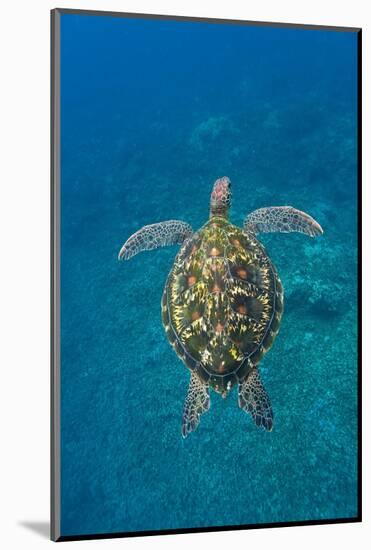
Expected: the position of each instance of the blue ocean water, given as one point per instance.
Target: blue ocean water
(152, 113)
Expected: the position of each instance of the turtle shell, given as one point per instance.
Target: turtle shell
(222, 303)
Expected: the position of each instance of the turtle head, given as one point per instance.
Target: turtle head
(221, 197)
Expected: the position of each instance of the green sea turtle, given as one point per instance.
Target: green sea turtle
(223, 300)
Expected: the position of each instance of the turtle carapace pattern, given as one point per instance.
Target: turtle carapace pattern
(223, 300)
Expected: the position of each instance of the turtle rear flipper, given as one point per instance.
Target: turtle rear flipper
(196, 402)
(281, 219)
(253, 399)
(155, 235)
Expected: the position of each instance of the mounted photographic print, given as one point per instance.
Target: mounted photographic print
(205, 253)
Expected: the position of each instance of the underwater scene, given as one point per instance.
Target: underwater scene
(152, 113)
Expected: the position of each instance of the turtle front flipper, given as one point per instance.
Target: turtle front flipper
(154, 236)
(253, 399)
(196, 402)
(281, 219)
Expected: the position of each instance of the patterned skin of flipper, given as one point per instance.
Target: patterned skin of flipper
(197, 402)
(281, 219)
(253, 399)
(154, 236)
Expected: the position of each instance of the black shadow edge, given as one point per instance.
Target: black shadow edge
(213, 529)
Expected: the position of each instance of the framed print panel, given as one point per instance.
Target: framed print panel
(205, 269)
